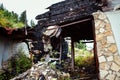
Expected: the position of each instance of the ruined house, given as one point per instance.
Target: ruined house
(9, 42)
(95, 20)
(14, 40)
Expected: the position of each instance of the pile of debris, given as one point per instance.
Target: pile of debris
(43, 71)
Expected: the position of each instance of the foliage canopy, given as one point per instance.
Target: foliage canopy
(10, 19)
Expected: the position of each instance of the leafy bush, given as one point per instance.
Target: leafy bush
(18, 25)
(84, 58)
(4, 22)
(80, 45)
(10, 19)
(17, 64)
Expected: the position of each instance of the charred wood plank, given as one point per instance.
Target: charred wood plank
(68, 10)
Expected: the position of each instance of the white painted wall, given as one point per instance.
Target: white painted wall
(8, 48)
(114, 18)
(113, 3)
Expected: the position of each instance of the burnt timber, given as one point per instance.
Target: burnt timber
(76, 20)
(68, 11)
(19, 34)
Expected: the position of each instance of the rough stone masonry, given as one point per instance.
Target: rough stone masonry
(108, 55)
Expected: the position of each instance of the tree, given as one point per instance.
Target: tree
(23, 17)
(2, 7)
(15, 16)
(10, 19)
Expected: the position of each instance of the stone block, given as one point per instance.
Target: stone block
(97, 24)
(102, 24)
(95, 15)
(110, 72)
(116, 54)
(117, 78)
(99, 46)
(111, 77)
(104, 66)
(112, 48)
(104, 42)
(102, 59)
(109, 63)
(118, 74)
(99, 37)
(106, 21)
(97, 32)
(108, 54)
(107, 33)
(110, 39)
(110, 58)
(102, 30)
(108, 26)
(117, 59)
(102, 16)
(103, 73)
(101, 53)
(115, 67)
(107, 45)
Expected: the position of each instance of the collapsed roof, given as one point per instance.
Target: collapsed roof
(21, 34)
(71, 12)
(59, 13)
(68, 10)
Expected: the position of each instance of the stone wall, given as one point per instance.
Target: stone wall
(108, 56)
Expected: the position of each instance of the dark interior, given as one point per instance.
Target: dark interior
(84, 30)
(79, 31)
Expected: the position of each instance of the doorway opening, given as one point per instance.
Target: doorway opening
(80, 35)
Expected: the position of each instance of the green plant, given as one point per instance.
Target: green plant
(10, 19)
(16, 64)
(22, 63)
(4, 75)
(80, 45)
(84, 58)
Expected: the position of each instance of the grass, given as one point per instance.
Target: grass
(83, 57)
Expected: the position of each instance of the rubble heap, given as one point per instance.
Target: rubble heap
(43, 71)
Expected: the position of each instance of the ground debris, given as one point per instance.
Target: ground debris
(43, 71)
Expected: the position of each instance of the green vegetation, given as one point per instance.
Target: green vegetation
(10, 19)
(80, 45)
(83, 58)
(15, 65)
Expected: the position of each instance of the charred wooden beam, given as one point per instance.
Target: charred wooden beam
(68, 10)
(43, 16)
(19, 34)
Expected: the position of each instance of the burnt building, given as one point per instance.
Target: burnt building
(88, 20)
(76, 21)
(68, 10)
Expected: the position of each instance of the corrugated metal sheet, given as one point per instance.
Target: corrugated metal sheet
(114, 18)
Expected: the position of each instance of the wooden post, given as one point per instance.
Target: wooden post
(95, 51)
(60, 48)
(72, 54)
